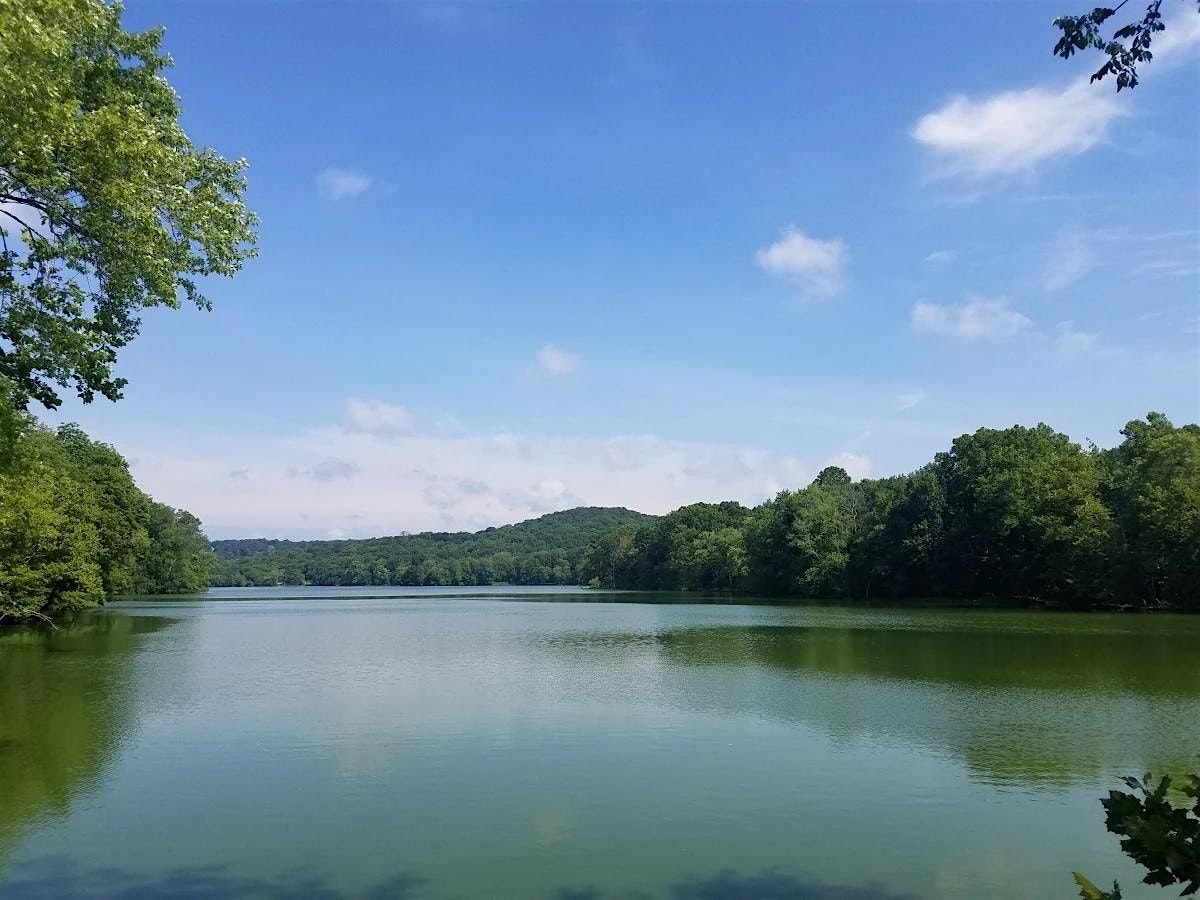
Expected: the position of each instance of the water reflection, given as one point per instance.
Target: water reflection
(65, 704)
(1086, 660)
(1021, 700)
(469, 748)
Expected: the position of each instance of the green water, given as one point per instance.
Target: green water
(326, 743)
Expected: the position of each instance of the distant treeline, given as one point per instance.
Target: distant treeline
(547, 550)
(76, 530)
(1021, 515)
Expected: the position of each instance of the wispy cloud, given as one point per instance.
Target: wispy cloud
(817, 266)
(978, 318)
(908, 399)
(341, 184)
(555, 362)
(339, 478)
(1071, 343)
(1168, 255)
(376, 417)
(1181, 38)
(1070, 258)
(941, 257)
(1016, 131)
(331, 469)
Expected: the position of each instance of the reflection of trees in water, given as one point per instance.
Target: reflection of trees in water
(1107, 662)
(52, 879)
(65, 704)
(1035, 705)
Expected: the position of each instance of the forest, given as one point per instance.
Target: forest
(76, 530)
(546, 550)
(1021, 515)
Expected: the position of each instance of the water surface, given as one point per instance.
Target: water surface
(487, 743)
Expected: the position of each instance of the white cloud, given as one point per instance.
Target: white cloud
(339, 478)
(330, 469)
(1070, 343)
(1017, 131)
(979, 317)
(817, 266)
(554, 361)
(941, 257)
(1070, 258)
(908, 399)
(376, 417)
(341, 184)
(857, 465)
(1180, 39)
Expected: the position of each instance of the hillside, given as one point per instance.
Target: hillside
(546, 550)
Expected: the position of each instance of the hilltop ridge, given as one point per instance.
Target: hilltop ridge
(546, 550)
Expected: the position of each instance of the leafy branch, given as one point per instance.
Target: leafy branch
(1158, 835)
(1126, 49)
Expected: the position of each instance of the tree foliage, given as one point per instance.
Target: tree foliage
(1128, 46)
(1155, 833)
(75, 529)
(547, 550)
(106, 206)
(1020, 514)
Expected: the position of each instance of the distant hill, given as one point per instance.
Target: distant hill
(546, 550)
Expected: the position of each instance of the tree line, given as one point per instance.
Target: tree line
(76, 530)
(546, 550)
(1020, 514)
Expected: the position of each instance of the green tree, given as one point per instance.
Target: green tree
(120, 509)
(1025, 517)
(106, 206)
(898, 536)
(177, 560)
(798, 543)
(608, 559)
(48, 542)
(1156, 834)
(1155, 497)
(723, 556)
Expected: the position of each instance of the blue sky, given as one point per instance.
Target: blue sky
(515, 258)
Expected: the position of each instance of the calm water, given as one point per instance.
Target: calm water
(332, 743)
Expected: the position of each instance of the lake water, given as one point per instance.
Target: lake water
(450, 743)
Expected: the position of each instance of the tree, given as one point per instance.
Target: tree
(1155, 496)
(1024, 516)
(106, 206)
(1021, 514)
(75, 529)
(120, 510)
(797, 543)
(832, 476)
(1158, 835)
(48, 560)
(177, 560)
(723, 553)
(1128, 46)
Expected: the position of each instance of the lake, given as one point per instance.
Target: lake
(500, 743)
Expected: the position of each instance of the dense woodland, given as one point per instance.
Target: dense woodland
(547, 550)
(75, 529)
(1021, 514)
